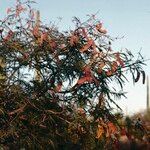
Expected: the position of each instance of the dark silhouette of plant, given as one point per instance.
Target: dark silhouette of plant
(68, 104)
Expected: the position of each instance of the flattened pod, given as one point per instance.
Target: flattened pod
(138, 76)
(144, 76)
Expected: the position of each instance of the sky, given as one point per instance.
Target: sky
(128, 18)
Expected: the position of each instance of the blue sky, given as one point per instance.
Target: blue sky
(128, 18)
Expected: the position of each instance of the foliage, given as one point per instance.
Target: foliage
(68, 104)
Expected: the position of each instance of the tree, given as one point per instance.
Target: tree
(69, 104)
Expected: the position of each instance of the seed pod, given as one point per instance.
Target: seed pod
(138, 76)
(144, 76)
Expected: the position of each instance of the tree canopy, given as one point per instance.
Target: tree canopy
(57, 87)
